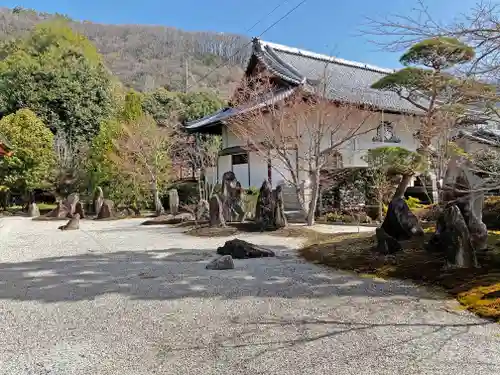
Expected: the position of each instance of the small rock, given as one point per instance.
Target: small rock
(223, 263)
(73, 223)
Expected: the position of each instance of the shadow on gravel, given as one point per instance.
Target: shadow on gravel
(330, 329)
(179, 273)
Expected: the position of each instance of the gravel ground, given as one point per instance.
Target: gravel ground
(119, 298)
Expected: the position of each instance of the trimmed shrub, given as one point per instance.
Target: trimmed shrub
(491, 212)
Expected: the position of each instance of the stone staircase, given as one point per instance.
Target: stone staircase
(293, 211)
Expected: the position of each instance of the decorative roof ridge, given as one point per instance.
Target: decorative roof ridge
(321, 57)
(290, 74)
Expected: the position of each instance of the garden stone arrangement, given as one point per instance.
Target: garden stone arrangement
(400, 224)
(222, 206)
(67, 208)
(237, 249)
(460, 234)
(269, 210)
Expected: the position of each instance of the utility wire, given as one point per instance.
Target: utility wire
(267, 15)
(250, 42)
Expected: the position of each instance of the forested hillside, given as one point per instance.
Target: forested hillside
(149, 57)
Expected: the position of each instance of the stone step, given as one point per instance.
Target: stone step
(295, 216)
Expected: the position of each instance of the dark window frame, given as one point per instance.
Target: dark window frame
(381, 130)
(239, 159)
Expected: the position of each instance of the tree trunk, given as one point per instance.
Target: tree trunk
(159, 210)
(314, 186)
(380, 215)
(403, 185)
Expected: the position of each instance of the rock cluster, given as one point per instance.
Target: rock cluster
(269, 210)
(67, 208)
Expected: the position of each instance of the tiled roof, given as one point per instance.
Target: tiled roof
(484, 135)
(228, 112)
(346, 81)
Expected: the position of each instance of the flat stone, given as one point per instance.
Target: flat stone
(225, 262)
(240, 249)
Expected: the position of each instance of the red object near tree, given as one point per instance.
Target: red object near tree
(5, 149)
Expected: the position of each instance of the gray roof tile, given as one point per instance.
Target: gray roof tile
(229, 112)
(345, 80)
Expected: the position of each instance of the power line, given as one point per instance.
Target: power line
(250, 42)
(267, 15)
(282, 18)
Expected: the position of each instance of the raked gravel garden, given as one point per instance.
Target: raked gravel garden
(116, 297)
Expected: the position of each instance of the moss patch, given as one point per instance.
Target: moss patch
(478, 290)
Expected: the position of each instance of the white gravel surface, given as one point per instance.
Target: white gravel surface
(119, 298)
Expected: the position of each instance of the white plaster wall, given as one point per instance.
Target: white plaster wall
(224, 165)
(211, 175)
(352, 151)
(233, 140)
(241, 173)
(258, 170)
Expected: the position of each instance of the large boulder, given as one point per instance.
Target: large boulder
(173, 201)
(279, 218)
(67, 208)
(225, 262)
(98, 200)
(264, 208)
(452, 237)
(400, 222)
(215, 212)
(71, 201)
(240, 249)
(60, 211)
(33, 210)
(472, 214)
(79, 210)
(385, 243)
(107, 210)
(228, 194)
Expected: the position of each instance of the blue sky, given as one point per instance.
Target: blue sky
(323, 26)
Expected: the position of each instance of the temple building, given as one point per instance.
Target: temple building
(393, 120)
